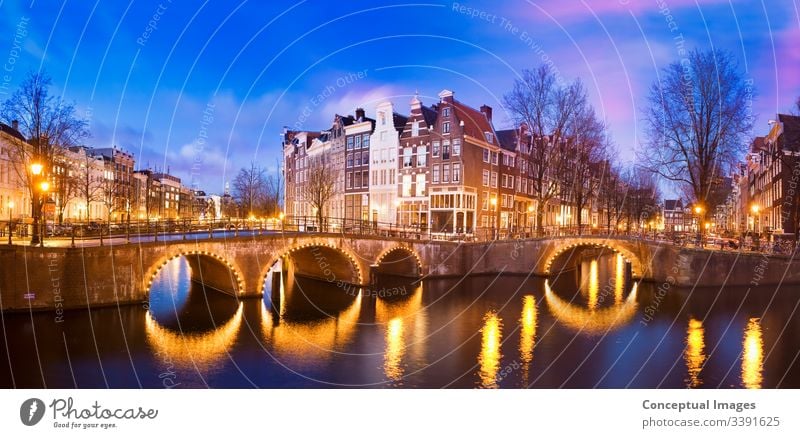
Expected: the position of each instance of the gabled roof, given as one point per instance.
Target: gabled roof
(11, 131)
(475, 122)
(673, 204)
(791, 131)
(399, 121)
(429, 114)
(507, 139)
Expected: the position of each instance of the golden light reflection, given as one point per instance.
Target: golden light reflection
(527, 338)
(398, 315)
(202, 350)
(752, 355)
(395, 349)
(594, 284)
(489, 357)
(311, 340)
(591, 320)
(695, 355)
(619, 278)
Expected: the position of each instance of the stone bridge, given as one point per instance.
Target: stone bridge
(53, 278)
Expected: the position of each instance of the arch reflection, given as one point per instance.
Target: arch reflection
(694, 355)
(310, 340)
(489, 357)
(753, 355)
(201, 350)
(591, 320)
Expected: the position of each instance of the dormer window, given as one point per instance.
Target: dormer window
(489, 137)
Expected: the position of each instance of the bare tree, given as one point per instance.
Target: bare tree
(111, 194)
(697, 122)
(642, 196)
(88, 186)
(611, 194)
(250, 189)
(586, 150)
(319, 186)
(49, 125)
(546, 108)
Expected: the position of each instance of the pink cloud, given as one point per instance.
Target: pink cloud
(571, 10)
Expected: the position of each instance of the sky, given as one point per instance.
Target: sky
(203, 88)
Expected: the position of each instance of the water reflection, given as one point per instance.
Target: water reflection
(695, 355)
(594, 285)
(401, 316)
(591, 320)
(619, 278)
(527, 336)
(200, 350)
(309, 340)
(489, 357)
(752, 355)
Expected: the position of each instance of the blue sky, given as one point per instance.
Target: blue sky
(255, 66)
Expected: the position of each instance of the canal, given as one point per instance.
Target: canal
(587, 327)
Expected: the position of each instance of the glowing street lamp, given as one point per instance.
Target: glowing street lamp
(36, 169)
(10, 207)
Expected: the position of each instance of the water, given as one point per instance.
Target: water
(587, 328)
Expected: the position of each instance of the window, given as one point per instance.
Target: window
(382, 117)
(456, 146)
(494, 179)
(446, 112)
(456, 172)
(445, 173)
(510, 181)
(349, 143)
(406, 185)
(407, 153)
(486, 178)
(391, 176)
(446, 127)
(446, 150)
(422, 156)
(494, 157)
(357, 180)
(349, 180)
(358, 159)
(486, 155)
(489, 137)
(358, 141)
(365, 141)
(436, 174)
(365, 158)
(435, 151)
(415, 129)
(383, 135)
(485, 203)
(420, 184)
(365, 178)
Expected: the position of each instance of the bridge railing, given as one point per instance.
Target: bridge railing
(96, 232)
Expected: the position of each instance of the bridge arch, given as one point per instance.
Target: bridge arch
(566, 246)
(326, 261)
(400, 261)
(209, 268)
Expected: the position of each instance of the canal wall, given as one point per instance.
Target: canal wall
(61, 278)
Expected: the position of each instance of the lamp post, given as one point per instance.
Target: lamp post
(36, 170)
(698, 210)
(756, 232)
(10, 207)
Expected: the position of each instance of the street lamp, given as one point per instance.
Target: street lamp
(493, 202)
(36, 170)
(44, 186)
(756, 232)
(698, 211)
(10, 207)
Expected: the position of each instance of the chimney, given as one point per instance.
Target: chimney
(487, 111)
(359, 114)
(15, 124)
